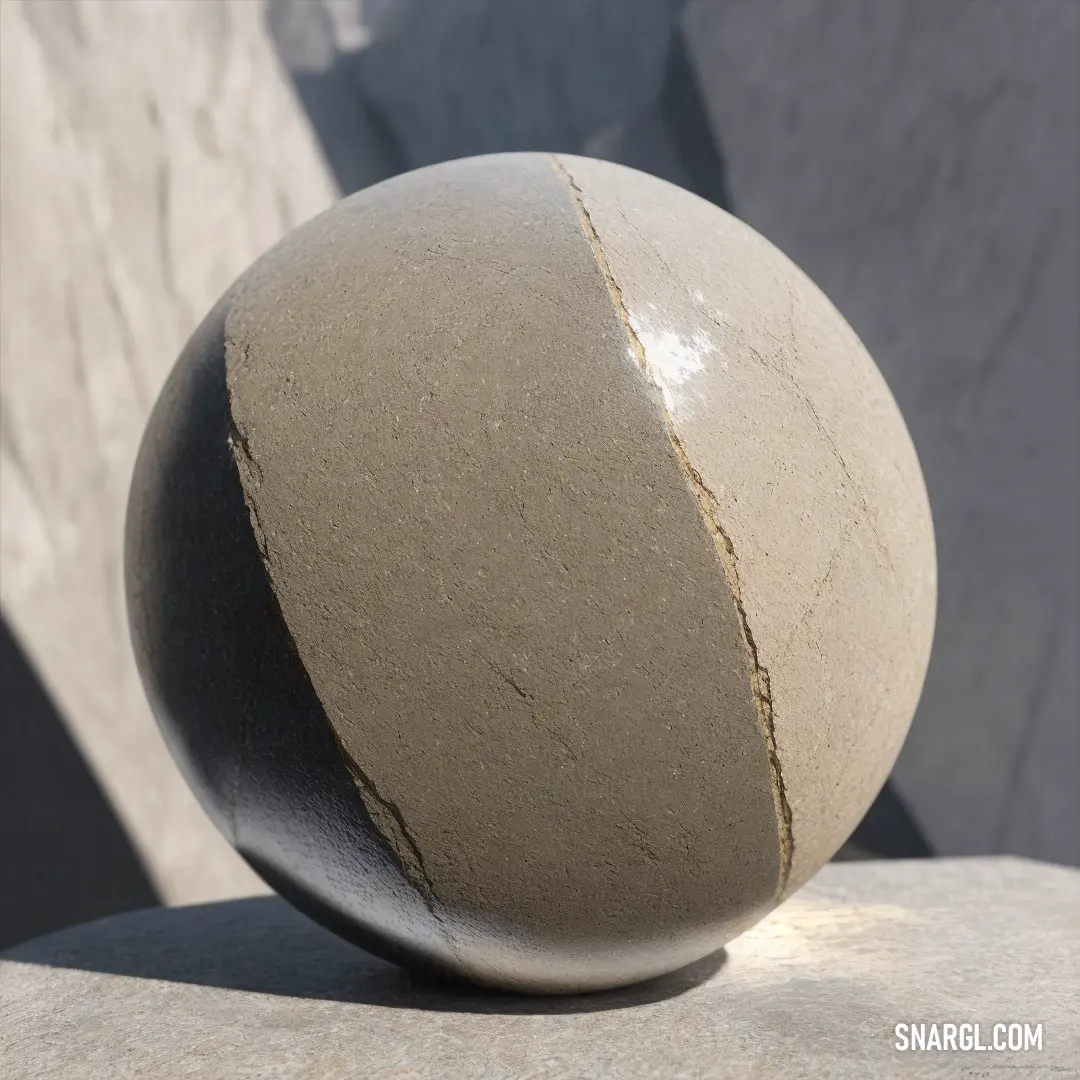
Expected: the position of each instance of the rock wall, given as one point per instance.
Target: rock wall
(151, 152)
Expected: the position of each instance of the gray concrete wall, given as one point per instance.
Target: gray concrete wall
(919, 161)
(150, 152)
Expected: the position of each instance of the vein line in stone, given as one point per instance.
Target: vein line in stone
(386, 814)
(710, 510)
(390, 822)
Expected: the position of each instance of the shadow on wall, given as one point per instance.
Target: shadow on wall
(441, 79)
(64, 857)
(392, 86)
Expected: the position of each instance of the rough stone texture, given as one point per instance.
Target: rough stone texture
(807, 475)
(150, 152)
(516, 616)
(919, 161)
(491, 420)
(252, 989)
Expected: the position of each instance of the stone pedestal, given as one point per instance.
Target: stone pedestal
(249, 988)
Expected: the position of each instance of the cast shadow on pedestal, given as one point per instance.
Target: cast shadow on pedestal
(262, 945)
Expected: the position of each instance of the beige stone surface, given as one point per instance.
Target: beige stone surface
(601, 543)
(805, 469)
(251, 989)
(150, 152)
(483, 545)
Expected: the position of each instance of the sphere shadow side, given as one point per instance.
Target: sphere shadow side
(227, 686)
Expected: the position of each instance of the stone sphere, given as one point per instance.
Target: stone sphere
(531, 572)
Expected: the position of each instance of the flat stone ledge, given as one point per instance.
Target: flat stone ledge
(250, 988)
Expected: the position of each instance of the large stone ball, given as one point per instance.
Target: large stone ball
(531, 572)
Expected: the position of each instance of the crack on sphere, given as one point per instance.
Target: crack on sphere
(759, 676)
